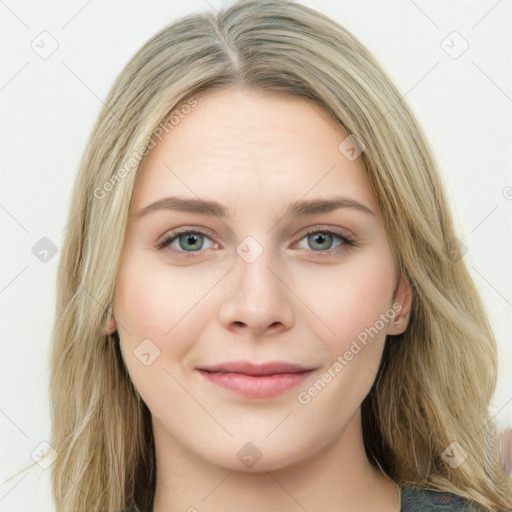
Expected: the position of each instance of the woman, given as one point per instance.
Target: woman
(262, 304)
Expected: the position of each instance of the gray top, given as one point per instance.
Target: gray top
(415, 499)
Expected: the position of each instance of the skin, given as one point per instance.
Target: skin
(254, 154)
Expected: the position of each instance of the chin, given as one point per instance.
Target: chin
(255, 456)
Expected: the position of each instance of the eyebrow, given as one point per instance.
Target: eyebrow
(295, 208)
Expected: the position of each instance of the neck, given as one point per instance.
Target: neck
(338, 478)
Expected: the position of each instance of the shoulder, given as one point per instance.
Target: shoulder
(415, 499)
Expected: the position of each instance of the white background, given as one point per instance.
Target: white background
(49, 107)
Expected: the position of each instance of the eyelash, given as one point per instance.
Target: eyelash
(347, 241)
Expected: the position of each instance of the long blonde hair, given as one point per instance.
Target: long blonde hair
(436, 379)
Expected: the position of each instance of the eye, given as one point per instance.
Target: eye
(186, 241)
(324, 240)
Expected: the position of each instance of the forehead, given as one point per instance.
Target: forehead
(237, 145)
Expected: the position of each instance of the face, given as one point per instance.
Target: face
(257, 286)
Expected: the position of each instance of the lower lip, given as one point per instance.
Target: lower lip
(265, 386)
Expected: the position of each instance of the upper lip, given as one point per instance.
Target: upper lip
(247, 368)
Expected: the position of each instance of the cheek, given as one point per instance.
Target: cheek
(143, 304)
(352, 301)
(158, 303)
(349, 298)
(152, 296)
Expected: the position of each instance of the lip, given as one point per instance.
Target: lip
(256, 380)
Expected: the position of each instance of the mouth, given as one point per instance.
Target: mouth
(256, 380)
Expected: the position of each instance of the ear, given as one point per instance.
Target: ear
(111, 326)
(402, 296)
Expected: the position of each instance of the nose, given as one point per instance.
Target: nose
(255, 300)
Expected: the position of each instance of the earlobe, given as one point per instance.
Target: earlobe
(402, 296)
(111, 326)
